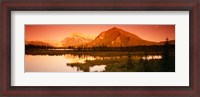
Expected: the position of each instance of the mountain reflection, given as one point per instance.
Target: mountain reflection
(91, 63)
(123, 63)
(77, 58)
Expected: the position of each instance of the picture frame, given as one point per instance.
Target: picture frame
(193, 90)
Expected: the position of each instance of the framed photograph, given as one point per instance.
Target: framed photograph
(139, 48)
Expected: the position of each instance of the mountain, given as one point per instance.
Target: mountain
(115, 37)
(37, 43)
(75, 40)
(54, 43)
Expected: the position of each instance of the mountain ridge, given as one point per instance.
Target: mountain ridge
(74, 40)
(117, 37)
(113, 37)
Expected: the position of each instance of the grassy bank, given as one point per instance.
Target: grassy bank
(127, 64)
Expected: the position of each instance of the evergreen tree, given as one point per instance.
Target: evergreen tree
(130, 65)
(145, 63)
(165, 57)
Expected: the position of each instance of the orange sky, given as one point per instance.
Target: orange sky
(59, 32)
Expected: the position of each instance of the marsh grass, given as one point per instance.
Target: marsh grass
(125, 64)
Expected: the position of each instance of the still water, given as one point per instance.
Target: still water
(75, 63)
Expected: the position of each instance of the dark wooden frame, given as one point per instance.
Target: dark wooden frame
(99, 5)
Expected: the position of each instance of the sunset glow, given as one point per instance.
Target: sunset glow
(100, 48)
(154, 33)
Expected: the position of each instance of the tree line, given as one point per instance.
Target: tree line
(105, 48)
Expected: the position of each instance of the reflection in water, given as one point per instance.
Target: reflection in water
(40, 63)
(57, 49)
(151, 57)
(77, 59)
(97, 68)
(88, 63)
(73, 69)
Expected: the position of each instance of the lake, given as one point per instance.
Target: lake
(89, 63)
